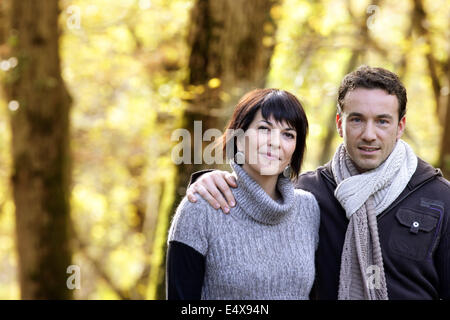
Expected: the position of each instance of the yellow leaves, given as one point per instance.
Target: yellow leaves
(187, 95)
(268, 41)
(193, 91)
(315, 130)
(11, 292)
(224, 96)
(276, 12)
(6, 243)
(422, 47)
(138, 240)
(103, 292)
(171, 55)
(9, 210)
(9, 289)
(98, 232)
(128, 265)
(89, 201)
(132, 218)
(268, 28)
(7, 224)
(214, 83)
(121, 194)
(114, 235)
(298, 10)
(199, 89)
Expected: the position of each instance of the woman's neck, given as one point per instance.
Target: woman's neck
(267, 182)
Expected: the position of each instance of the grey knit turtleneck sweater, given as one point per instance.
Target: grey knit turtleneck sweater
(262, 249)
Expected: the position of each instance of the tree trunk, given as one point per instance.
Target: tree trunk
(420, 17)
(230, 55)
(2, 24)
(39, 111)
(444, 160)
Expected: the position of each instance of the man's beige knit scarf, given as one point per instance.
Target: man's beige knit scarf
(364, 196)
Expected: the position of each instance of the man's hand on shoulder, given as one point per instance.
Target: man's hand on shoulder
(214, 187)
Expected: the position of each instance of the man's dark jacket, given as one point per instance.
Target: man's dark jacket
(414, 234)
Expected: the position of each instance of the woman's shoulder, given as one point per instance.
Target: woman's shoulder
(307, 203)
(195, 213)
(192, 210)
(304, 196)
(185, 204)
(190, 224)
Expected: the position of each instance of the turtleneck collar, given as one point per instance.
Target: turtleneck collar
(253, 201)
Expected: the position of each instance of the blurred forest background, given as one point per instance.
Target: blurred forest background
(93, 90)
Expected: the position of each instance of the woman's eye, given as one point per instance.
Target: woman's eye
(263, 128)
(289, 135)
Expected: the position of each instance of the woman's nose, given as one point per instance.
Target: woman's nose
(274, 138)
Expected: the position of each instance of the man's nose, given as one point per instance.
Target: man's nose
(369, 133)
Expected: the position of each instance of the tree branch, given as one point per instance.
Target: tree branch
(81, 246)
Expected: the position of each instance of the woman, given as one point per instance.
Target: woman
(264, 248)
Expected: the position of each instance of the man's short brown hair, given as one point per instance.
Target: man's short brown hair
(373, 78)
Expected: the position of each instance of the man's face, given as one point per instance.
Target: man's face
(369, 125)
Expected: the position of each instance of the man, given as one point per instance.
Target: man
(384, 230)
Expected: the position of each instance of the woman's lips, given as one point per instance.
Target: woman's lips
(270, 156)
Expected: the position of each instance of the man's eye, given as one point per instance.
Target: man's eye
(382, 121)
(355, 119)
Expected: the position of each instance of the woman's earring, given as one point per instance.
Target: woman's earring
(239, 157)
(287, 172)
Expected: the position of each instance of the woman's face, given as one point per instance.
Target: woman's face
(268, 147)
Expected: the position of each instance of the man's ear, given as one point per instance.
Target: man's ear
(401, 127)
(339, 124)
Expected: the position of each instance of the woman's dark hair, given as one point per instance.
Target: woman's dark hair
(280, 104)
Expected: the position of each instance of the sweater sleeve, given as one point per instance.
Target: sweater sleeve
(185, 271)
(189, 225)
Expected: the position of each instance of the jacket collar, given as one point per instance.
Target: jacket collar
(424, 172)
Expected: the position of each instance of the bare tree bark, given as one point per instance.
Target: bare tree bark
(39, 104)
(230, 54)
(3, 25)
(444, 158)
(420, 21)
